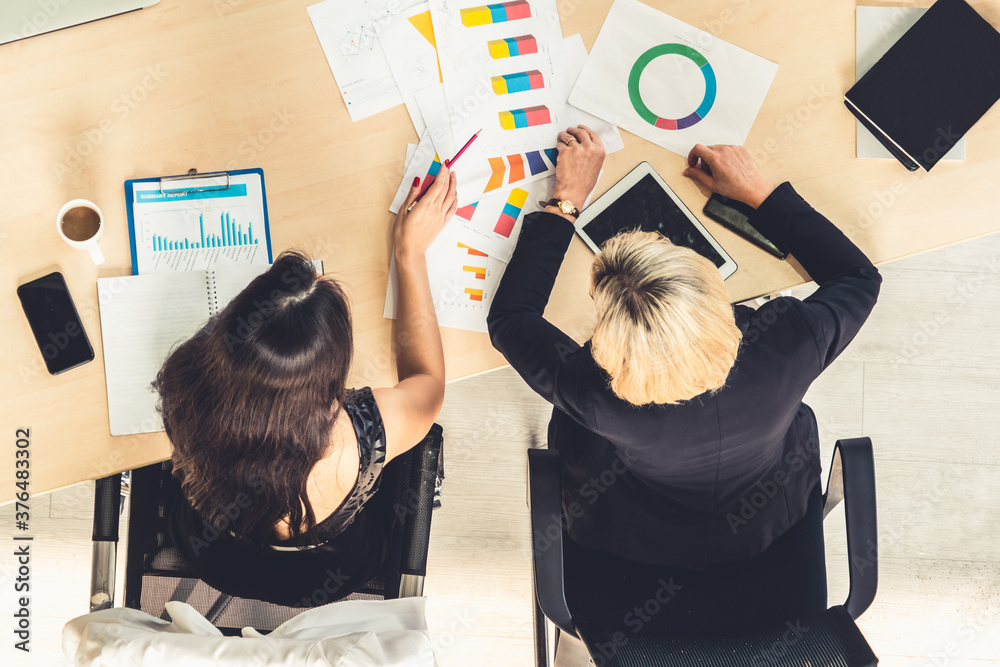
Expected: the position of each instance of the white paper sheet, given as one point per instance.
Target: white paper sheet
(348, 33)
(408, 41)
(487, 224)
(878, 29)
(417, 166)
(462, 280)
(480, 176)
(709, 89)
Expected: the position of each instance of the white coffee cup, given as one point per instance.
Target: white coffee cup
(80, 226)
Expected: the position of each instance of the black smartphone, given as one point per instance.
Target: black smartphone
(736, 216)
(55, 323)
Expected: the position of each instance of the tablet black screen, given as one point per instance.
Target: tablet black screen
(648, 207)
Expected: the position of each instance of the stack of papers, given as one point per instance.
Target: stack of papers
(503, 68)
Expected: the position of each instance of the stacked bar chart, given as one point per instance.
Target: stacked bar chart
(230, 234)
(510, 47)
(516, 119)
(511, 212)
(500, 12)
(518, 82)
(432, 173)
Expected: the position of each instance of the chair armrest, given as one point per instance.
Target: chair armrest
(852, 478)
(545, 506)
(420, 500)
(107, 501)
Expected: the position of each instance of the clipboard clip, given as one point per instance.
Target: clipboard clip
(195, 182)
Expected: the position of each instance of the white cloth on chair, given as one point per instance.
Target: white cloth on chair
(356, 633)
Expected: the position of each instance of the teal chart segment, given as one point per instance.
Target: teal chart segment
(672, 123)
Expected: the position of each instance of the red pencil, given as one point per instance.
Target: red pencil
(468, 143)
(447, 163)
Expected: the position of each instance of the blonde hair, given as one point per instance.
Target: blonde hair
(665, 328)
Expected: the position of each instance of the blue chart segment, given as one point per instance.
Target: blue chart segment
(229, 233)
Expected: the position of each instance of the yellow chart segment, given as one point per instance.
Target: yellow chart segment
(476, 16)
(499, 49)
(422, 22)
(507, 120)
(518, 197)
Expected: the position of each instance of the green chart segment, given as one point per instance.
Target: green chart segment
(672, 123)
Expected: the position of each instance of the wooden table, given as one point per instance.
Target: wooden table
(244, 83)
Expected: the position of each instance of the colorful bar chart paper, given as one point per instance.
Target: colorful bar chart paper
(230, 234)
(478, 271)
(474, 294)
(518, 82)
(511, 211)
(512, 46)
(467, 212)
(516, 119)
(431, 174)
(534, 160)
(496, 13)
(470, 249)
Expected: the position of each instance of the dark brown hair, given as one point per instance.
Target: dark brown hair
(249, 401)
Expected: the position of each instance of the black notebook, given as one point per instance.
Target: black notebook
(932, 86)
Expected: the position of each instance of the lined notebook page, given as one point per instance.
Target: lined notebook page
(142, 319)
(230, 281)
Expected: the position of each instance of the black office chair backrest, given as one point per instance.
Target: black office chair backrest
(155, 572)
(830, 639)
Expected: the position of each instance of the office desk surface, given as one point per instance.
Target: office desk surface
(244, 83)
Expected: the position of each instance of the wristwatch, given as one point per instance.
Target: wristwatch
(564, 205)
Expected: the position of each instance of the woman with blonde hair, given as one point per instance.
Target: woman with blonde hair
(687, 454)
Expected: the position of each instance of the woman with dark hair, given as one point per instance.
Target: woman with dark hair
(276, 458)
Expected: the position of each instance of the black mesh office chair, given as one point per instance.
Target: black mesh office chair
(156, 574)
(831, 640)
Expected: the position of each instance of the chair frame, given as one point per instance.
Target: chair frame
(851, 479)
(418, 493)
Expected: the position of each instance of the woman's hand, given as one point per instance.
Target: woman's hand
(581, 155)
(417, 227)
(730, 171)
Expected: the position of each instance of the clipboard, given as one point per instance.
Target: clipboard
(230, 240)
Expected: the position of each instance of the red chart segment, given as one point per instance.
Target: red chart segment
(511, 212)
(467, 212)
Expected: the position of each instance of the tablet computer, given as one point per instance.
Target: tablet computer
(642, 200)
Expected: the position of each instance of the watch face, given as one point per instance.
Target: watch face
(566, 206)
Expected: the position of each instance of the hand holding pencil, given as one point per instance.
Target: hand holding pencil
(417, 226)
(448, 164)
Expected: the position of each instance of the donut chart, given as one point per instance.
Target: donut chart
(672, 123)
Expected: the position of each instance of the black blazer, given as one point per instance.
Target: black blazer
(719, 477)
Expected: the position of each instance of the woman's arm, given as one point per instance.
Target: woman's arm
(536, 349)
(410, 408)
(848, 281)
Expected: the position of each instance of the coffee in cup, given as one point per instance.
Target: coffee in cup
(80, 224)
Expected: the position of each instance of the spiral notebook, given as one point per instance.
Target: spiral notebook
(143, 318)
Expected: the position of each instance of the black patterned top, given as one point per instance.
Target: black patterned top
(370, 431)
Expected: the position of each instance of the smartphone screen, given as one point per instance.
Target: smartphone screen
(55, 323)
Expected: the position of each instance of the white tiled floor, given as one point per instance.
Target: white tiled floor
(921, 380)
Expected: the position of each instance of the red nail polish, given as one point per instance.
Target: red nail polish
(447, 163)
(416, 182)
